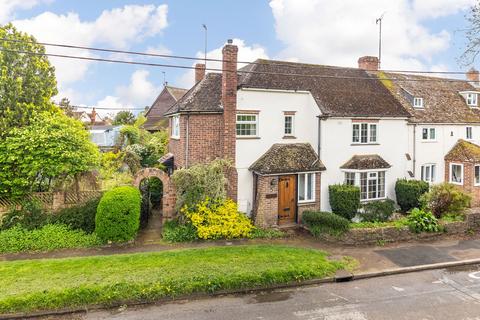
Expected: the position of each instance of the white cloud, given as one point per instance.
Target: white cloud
(245, 53)
(8, 7)
(140, 92)
(118, 28)
(339, 32)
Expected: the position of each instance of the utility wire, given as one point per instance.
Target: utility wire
(286, 64)
(318, 76)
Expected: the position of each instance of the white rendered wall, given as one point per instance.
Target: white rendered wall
(433, 152)
(337, 148)
(271, 106)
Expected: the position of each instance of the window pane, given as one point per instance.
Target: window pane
(309, 187)
(356, 133)
(469, 133)
(424, 133)
(427, 173)
(288, 124)
(381, 184)
(301, 187)
(364, 133)
(372, 189)
(432, 173)
(477, 174)
(422, 176)
(373, 133)
(456, 173)
(432, 133)
(363, 185)
(350, 178)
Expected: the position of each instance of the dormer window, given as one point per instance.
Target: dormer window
(472, 99)
(418, 102)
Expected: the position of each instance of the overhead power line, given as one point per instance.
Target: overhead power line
(316, 76)
(169, 56)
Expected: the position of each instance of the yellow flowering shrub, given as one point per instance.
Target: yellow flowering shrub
(218, 220)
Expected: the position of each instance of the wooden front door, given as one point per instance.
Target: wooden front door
(286, 199)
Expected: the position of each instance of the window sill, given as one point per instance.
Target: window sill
(289, 137)
(305, 203)
(366, 144)
(371, 200)
(247, 138)
(457, 183)
(175, 138)
(429, 141)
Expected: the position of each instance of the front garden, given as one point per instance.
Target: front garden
(422, 212)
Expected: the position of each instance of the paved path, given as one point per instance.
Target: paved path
(439, 294)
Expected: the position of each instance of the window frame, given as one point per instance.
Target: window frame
(175, 133)
(358, 182)
(432, 172)
(475, 183)
(472, 99)
(416, 105)
(255, 122)
(364, 127)
(467, 136)
(305, 187)
(462, 173)
(292, 128)
(429, 134)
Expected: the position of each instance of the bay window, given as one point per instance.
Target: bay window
(456, 173)
(371, 183)
(306, 187)
(476, 182)
(176, 127)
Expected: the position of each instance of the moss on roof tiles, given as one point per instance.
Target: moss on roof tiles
(288, 158)
(366, 162)
(464, 151)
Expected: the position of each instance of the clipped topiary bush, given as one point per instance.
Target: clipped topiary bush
(118, 214)
(408, 193)
(325, 222)
(344, 200)
(378, 211)
(446, 198)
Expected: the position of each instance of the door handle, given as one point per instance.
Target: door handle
(286, 209)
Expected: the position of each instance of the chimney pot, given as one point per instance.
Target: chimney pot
(199, 72)
(368, 63)
(473, 75)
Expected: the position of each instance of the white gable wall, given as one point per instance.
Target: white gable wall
(337, 148)
(271, 106)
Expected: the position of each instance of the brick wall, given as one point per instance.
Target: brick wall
(468, 180)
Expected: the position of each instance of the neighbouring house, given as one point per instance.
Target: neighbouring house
(445, 118)
(104, 136)
(155, 114)
(91, 118)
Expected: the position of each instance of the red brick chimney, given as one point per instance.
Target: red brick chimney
(473, 75)
(229, 103)
(199, 72)
(93, 116)
(368, 63)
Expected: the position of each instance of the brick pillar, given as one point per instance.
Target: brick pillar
(58, 200)
(229, 102)
(199, 72)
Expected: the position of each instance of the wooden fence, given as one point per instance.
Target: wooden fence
(50, 200)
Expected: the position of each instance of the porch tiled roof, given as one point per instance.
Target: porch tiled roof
(288, 158)
(464, 151)
(366, 162)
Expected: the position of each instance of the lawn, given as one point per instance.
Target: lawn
(58, 283)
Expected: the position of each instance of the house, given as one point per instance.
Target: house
(91, 118)
(104, 136)
(155, 114)
(445, 118)
(292, 130)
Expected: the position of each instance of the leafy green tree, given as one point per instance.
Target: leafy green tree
(27, 81)
(66, 107)
(51, 149)
(124, 117)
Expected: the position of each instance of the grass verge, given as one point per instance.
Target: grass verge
(105, 280)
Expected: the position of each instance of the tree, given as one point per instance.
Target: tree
(51, 149)
(66, 107)
(27, 81)
(472, 33)
(124, 117)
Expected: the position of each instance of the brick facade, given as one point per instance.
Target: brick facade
(266, 201)
(468, 179)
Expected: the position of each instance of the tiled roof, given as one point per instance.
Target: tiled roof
(165, 100)
(366, 162)
(441, 98)
(205, 96)
(464, 151)
(288, 158)
(176, 93)
(334, 96)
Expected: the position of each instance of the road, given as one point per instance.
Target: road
(439, 294)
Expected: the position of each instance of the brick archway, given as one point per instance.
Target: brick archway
(168, 198)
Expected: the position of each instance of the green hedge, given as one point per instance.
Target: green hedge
(344, 200)
(408, 193)
(50, 237)
(118, 214)
(80, 217)
(325, 222)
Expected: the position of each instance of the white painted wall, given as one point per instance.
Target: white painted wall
(271, 105)
(433, 152)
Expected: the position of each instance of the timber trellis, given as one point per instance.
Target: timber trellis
(50, 200)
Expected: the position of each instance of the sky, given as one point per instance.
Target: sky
(417, 35)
